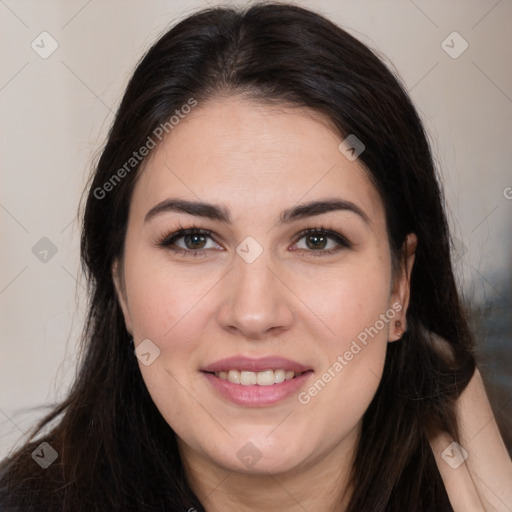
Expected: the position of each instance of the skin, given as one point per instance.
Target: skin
(257, 161)
(483, 482)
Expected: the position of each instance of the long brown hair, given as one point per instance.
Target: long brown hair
(115, 451)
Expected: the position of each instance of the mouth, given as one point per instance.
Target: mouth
(256, 382)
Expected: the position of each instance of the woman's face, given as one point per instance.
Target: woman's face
(321, 305)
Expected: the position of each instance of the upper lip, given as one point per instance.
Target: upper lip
(250, 364)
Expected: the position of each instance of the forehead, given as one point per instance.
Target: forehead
(253, 158)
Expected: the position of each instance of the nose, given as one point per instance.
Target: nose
(256, 302)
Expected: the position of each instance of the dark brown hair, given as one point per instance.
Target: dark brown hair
(116, 452)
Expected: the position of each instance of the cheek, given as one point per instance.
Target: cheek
(356, 316)
(169, 308)
(164, 299)
(348, 301)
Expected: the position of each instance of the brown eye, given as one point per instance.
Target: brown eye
(316, 241)
(194, 241)
(322, 241)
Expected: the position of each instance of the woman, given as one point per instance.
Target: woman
(274, 322)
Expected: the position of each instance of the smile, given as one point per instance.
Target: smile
(256, 382)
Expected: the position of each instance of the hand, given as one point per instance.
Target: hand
(483, 482)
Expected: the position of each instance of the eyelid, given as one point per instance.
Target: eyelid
(166, 240)
(338, 237)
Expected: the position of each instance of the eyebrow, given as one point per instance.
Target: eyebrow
(221, 213)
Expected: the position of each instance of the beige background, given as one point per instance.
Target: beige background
(55, 113)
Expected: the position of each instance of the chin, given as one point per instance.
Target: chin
(256, 455)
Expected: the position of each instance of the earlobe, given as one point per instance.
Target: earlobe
(401, 290)
(398, 330)
(117, 278)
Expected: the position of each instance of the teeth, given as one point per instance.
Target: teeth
(279, 376)
(248, 378)
(265, 378)
(234, 376)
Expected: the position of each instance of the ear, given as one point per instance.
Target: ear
(401, 288)
(118, 280)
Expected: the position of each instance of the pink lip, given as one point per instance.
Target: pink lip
(249, 364)
(257, 396)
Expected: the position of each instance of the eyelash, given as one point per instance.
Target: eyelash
(166, 240)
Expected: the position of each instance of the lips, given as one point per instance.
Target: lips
(251, 393)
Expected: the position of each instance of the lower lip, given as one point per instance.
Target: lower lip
(257, 396)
